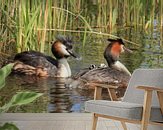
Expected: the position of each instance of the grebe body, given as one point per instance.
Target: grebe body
(39, 64)
(114, 74)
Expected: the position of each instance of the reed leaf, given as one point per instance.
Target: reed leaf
(77, 16)
(115, 15)
(45, 25)
(28, 29)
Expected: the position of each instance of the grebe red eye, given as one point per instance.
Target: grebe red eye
(70, 47)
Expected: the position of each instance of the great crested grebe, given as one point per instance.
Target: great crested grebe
(39, 64)
(115, 73)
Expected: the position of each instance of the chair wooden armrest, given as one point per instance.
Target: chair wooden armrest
(98, 90)
(147, 101)
(102, 85)
(147, 88)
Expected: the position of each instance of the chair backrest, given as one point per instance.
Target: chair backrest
(143, 77)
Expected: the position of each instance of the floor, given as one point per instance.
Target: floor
(57, 121)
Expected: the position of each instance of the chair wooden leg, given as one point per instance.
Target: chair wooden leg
(94, 123)
(160, 98)
(124, 125)
(97, 93)
(112, 94)
(146, 110)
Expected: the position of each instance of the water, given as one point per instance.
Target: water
(60, 98)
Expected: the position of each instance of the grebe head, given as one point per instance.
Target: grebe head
(113, 50)
(62, 47)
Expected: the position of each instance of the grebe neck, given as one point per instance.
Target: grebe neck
(119, 66)
(114, 63)
(110, 59)
(63, 68)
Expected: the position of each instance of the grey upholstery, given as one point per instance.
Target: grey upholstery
(132, 105)
(132, 111)
(143, 77)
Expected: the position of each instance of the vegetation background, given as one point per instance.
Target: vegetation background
(32, 24)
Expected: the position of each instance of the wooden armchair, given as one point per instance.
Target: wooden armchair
(138, 107)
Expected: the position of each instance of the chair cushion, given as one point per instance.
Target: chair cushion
(120, 109)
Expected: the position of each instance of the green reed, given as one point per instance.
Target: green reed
(33, 24)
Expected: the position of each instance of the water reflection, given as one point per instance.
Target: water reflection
(59, 98)
(63, 98)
